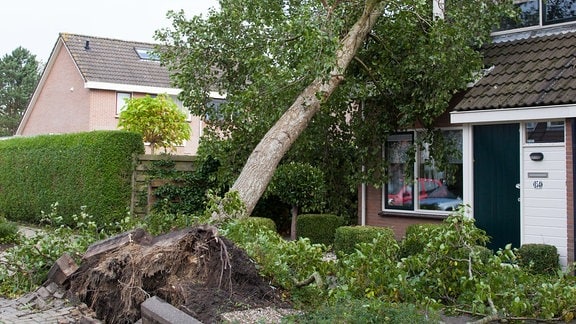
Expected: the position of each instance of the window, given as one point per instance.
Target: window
(214, 109)
(544, 132)
(147, 54)
(180, 105)
(121, 98)
(541, 13)
(425, 185)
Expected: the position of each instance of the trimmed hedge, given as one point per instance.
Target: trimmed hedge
(260, 222)
(539, 258)
(347, 237)
(90, 169)
(319, 228)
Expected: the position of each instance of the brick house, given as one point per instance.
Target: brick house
(515, 129)
(85, 82)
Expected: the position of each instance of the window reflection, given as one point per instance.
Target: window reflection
(437, 187)
(545, 132)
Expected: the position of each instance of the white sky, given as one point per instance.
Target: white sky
(35, 24)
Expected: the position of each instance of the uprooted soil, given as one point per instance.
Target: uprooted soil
(194, 269)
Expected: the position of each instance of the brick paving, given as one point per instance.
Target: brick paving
(45, 305)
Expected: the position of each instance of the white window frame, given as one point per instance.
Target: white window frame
(416, 172)
(120, 101)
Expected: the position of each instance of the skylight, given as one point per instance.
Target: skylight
(147, 54)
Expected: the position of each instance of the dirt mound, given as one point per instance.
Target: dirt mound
(194, 269)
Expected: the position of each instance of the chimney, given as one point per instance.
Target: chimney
(87, 45)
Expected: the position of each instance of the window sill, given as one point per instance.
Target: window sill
(390, 213)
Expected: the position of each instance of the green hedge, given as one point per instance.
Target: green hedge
(347, 237)
(90, 169)
(319, 228)
(260, 222)
(539, 258)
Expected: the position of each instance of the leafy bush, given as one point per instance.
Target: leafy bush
(8, 232)
(86, 169)
(539, 258)
(186, 191)
(346, 237)
(319, 228)
(260, 222)
(416, 239)
(364, 311)
(28, 262)
(370, 270)
(284, 262)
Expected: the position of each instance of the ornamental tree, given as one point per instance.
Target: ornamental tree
(160, 121)
(372, 66)
(301, 186)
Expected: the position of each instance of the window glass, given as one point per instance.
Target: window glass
(214, 109)
(121, 98)
(529, 15)
(438, 187)
(399, 187)
(545, 132)
(558, 11)
(554, 12)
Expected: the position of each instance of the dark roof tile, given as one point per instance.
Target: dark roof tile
(115, 61)
(537, 71)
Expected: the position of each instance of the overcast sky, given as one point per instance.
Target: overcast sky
(35, 24)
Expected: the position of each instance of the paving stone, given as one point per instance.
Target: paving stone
(52, 287)
(43, 292)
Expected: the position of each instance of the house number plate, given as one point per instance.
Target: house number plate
(537, 184)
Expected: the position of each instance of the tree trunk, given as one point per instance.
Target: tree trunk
(262, 162)
(294, 213)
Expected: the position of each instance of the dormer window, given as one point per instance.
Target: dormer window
(147, 54)
(538, 13)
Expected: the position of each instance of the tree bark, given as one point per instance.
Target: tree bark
(294, 213)
(262, 162)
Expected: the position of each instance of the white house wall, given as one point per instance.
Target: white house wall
(544, 198)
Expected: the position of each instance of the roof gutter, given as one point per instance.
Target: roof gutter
(512, 114)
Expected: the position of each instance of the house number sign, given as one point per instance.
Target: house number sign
(537, 184)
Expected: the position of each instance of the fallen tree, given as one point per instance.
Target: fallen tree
(193, 269)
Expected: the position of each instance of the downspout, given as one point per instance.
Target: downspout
(363, 187)
(573, 127)
(363, 202)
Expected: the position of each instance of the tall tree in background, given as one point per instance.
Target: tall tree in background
(285, 65)
(19, 74)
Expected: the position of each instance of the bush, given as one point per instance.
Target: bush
(539, 258)
(8, 232)
(261, 222)
(92, 169)
(319, 228)
(346, 237)
(415, 239)
(364, 311)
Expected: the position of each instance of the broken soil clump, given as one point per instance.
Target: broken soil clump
(193, 269)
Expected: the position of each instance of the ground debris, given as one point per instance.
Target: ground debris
(193, 269)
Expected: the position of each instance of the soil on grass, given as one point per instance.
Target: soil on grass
(194, 269)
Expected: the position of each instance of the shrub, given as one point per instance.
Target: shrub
(364, 311)
(319, 228)
(261, 222)
(346, 237)
(415, 239)
(539, 258)
(8, 232)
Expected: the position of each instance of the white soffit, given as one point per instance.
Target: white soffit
(141, 89)
(512, 114)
